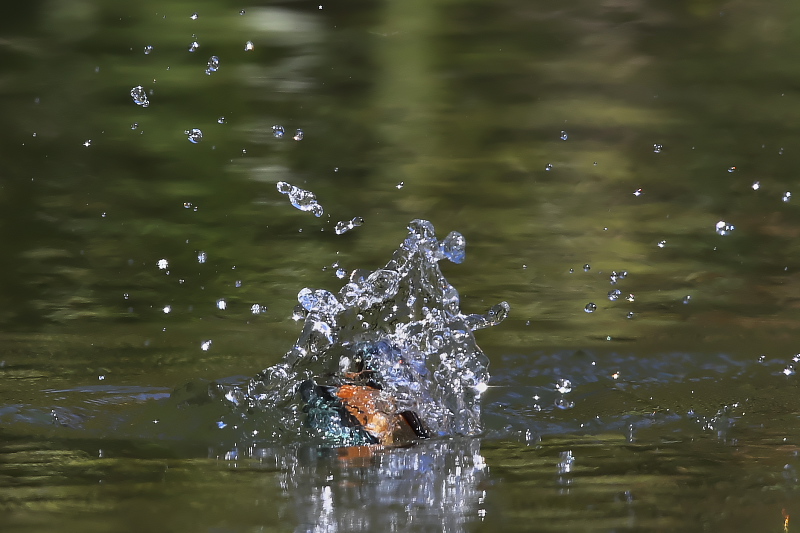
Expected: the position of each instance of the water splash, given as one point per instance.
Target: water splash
(395, 340)
(300, 198)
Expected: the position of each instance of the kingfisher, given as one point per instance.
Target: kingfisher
(353, 409)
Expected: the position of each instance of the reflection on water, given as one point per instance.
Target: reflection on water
(434, 486)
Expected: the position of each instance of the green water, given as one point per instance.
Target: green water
(682, 416)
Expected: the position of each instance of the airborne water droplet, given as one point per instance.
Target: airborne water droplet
(657, 148)
(787, 196)
(249, 46)
(300, 198)
(148, 49)
(563, 385)
(590, 308)
(723, 228)
(298, 136)
(194, 46)
(344, 227)
(213, 65)
(139, 96)
(278, 131)
(614, 295)
(222, 304)
(194, 135)
(564, 135)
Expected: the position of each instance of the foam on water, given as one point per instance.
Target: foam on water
(403, 325)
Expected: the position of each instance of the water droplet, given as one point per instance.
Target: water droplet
(278, 131)
(221, 120)
(563, 385)
(134, 125)
(662, 244)
(343, 227)
(194, 16)
(571, 270)
(249, 46)
(590, 308)
(148, 49)
(213, 65)
(657, 148)
(258, 308)
(548, 167)
(298, 136)
(237, 283)
(631, 298)
(638, 192)
(194, 135)
(614, 295)
(300, 198)
(87, 143)
(194, 46)
(222, 304)
(789, 370)
(563, 403)
(587, 267)
(202, 257)
(167, 309)
(723, 228)
(787, 196)
(732, 169)
(341, 273)
(761, 358)
(564, 135)
(126, 296)
(242, 12)
(630, 314)
(162, 264)
(756, 185)
(205, 345)
(687, 299)
(400, 185)
(139, 96)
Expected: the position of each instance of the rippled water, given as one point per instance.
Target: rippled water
(625, 174)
